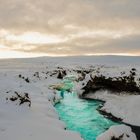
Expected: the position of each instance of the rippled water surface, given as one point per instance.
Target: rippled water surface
(81, 115)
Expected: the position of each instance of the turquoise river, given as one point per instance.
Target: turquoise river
(82, 116)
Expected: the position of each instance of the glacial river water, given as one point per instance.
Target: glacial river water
(81, 115)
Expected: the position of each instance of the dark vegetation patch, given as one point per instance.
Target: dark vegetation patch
(46, 74)
(53, 73)
(21, 98)
(116, 84)
(119, 138)
(26, 79)
(36, 74)
(82, 77)
(82, 73)
(60, 68)
(61, 74)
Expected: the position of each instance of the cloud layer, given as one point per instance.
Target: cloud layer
(70, 27)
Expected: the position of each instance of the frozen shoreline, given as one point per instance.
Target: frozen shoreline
(121, 106)
(118, 106)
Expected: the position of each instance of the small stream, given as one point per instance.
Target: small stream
(81, 115)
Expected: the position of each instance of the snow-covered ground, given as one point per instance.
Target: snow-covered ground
(30, 79)
(123, 106)
(121, 132)
(40, 121)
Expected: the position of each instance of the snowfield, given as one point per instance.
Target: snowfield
(26, 100)
(125, 107)
(20, 122)
(122, 132)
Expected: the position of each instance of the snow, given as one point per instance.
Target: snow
(125, 107)
(40, 121)
(122, 131)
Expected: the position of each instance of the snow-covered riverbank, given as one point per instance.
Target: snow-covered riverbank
(123, 106)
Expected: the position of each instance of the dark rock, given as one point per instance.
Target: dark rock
(119, 138)
(115, 84)
(22, 99)
(36, 74)
(27, 80)
(109, 115)
(13, 98)
(133, 69)
(61, 74)
(135, 129)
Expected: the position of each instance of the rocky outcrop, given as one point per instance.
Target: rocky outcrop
(21, 98)
(119, 132)
(115, 84)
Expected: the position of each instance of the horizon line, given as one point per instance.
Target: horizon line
(59, 56)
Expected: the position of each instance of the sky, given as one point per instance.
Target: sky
(30, 28)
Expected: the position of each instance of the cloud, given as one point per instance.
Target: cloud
(84, 26)
(51, 16)
(80, 46)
